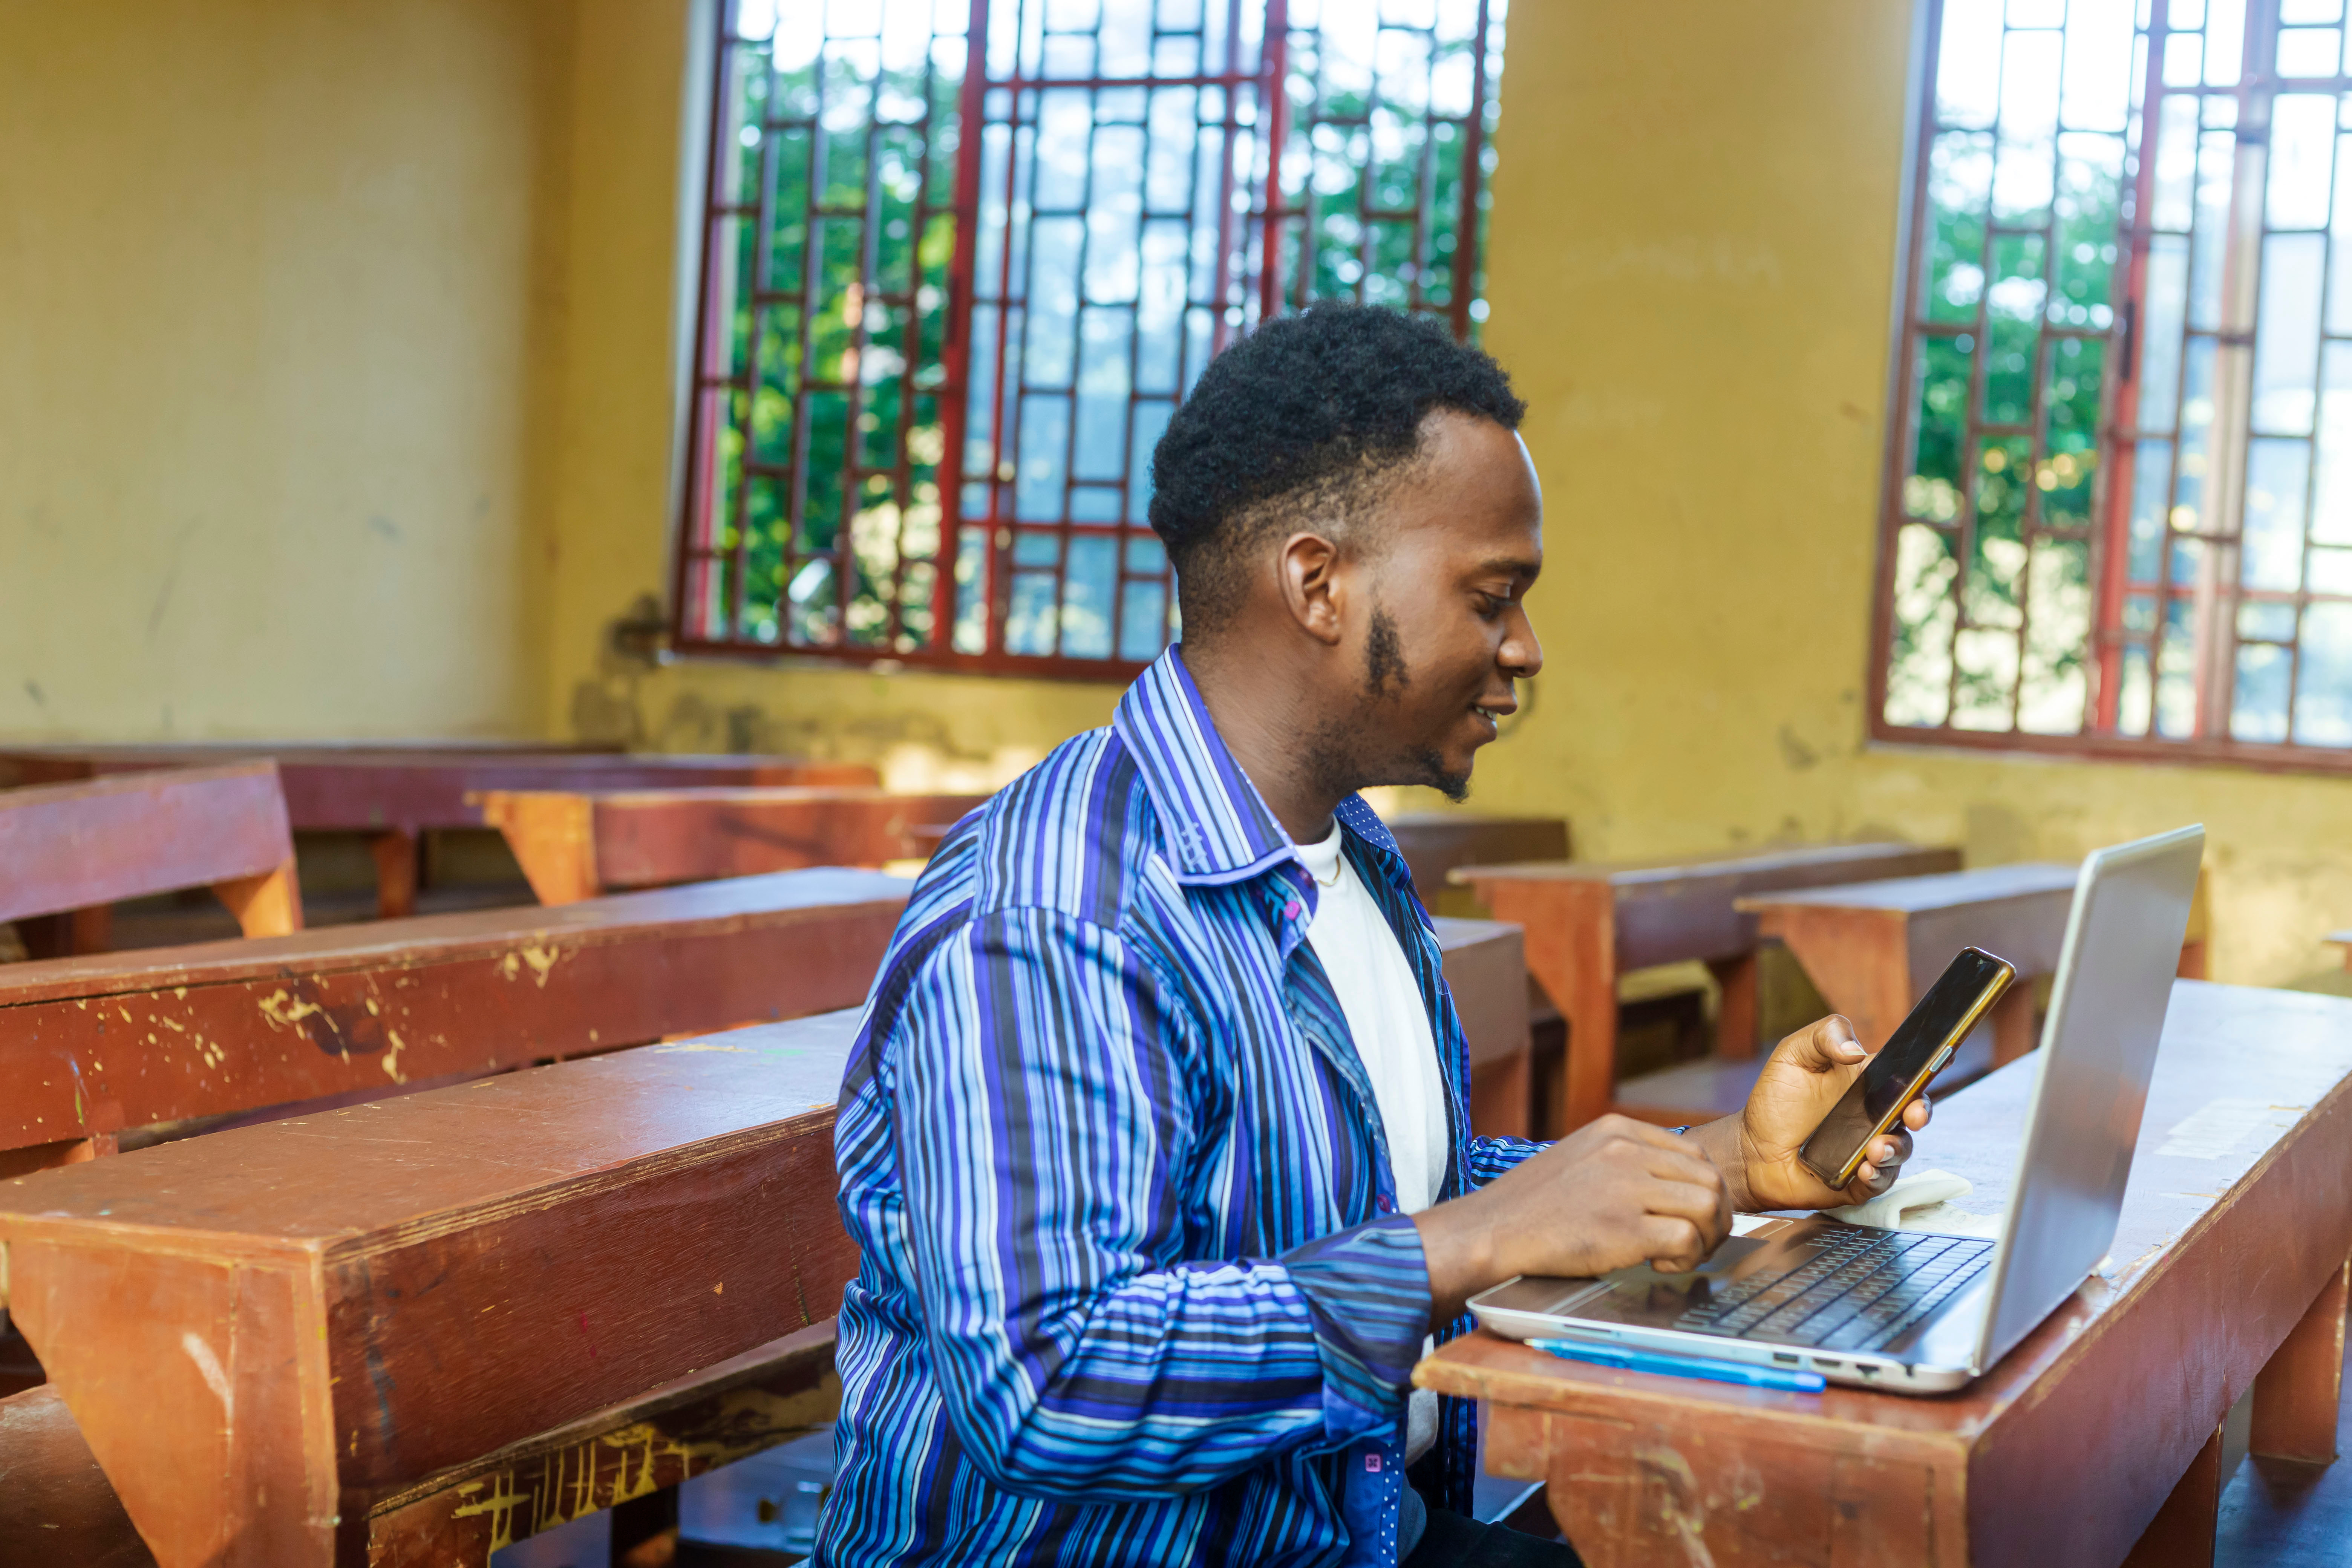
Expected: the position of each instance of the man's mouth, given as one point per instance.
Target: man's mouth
(1490, 718)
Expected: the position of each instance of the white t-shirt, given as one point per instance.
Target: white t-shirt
(1384, 1011)
(1385, 1014)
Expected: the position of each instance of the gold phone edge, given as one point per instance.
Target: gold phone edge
(1961, 1031)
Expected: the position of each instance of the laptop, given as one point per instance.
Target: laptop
(1917, 1311)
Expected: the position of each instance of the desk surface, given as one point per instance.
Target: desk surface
(2239, 1208)
(1671, 868)
(1912, 895)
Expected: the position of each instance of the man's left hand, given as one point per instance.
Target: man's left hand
(1756, 1149)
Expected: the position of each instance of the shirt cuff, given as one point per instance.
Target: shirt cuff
(1368, 1291)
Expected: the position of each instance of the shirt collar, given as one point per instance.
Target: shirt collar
(1217, 824)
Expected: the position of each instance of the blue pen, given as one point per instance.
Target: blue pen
(1627, 1360)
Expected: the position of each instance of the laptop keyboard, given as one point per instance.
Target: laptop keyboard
(1862, 1289)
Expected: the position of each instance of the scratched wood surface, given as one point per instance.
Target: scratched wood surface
(577, 844)
(2233, 1224)
(90, 1047)
(1590, 923)
(67, 846)
(254, 1352)
(56, 1505)
(690, 1427)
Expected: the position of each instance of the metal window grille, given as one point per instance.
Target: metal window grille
(932, 367)
(2120, 505)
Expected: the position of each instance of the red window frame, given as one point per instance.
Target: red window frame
(2165, 590)
(879, 549)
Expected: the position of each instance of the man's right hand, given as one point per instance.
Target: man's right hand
(1615, 1192)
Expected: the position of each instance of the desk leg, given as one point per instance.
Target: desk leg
(1736, 1017)
(2181, 1533)
(395, 873)
(1860, 960)
(2012, 1024)
(1571, 946)
(2296, 1394)
(267, 904)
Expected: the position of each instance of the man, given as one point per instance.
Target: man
(1155, 1139)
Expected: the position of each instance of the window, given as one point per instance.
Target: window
(2119, 507)
(930, 367)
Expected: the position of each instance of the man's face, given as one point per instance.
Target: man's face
(1448, 630)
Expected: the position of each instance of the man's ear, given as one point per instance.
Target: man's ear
(1307, 574)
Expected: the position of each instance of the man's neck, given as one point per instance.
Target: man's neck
(1263, 713)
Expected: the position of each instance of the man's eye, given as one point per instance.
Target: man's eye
(1490, 606)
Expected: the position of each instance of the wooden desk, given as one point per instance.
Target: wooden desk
(1436, 843)
(395, 793)
(1874, 948)
(575, 845)
(93, 1047)
(1587, 923)
(2231, 1276)
(73, 850)
(1486, 969)
(258, 1357)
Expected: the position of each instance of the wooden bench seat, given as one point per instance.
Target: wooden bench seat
(394, 795)
(1590, 923)
(258, 1357)
(71, 850)
(1485, 968)
(1435, 844)
(93, 1047)
(574, 844)
(1874, 948)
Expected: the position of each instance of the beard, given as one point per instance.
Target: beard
(1338, 743)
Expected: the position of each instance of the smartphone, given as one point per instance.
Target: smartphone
(1922, 1044)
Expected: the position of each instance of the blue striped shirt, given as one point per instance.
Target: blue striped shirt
(1135, 1289)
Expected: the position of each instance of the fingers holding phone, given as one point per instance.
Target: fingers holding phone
(1830, 1121)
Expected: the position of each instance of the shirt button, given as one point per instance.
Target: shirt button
(1293, 910)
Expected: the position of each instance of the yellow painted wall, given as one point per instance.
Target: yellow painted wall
(1692, 263)
(613, 476)
(336, 376)
(269, 359)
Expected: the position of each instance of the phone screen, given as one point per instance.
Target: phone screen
(1935, 1022)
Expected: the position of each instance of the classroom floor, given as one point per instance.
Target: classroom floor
(2276, 1513)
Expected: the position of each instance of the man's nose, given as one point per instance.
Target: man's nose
(1521, 654)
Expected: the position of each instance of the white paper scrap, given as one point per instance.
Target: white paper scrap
(2219, 1128)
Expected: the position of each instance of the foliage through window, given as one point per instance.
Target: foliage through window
(930, 366)
(2119, 510)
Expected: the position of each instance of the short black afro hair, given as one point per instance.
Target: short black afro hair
(1320, 411)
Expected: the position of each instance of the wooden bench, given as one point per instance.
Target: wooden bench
(1589, 924)
(1874, 948)
(575, 845)
(93, 1047)
(1485, 968)
(2098, 1439)
(71, 850)
(629, 1457)
(262, 1360)
(1436, 843)
(394, 795)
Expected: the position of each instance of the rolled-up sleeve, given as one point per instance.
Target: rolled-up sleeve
(1043, 1123)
